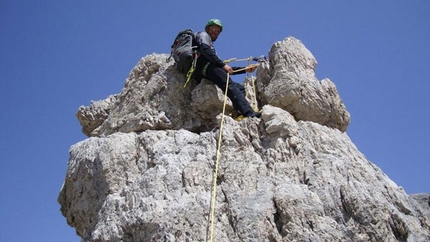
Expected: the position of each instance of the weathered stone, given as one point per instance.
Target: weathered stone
(423, 200)
(302, 182)
(94, 115)
(207, 100)
(154, 96)
(289, 82)
(148, 172)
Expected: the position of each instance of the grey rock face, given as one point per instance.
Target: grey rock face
(154, 96)
(146, 174)
(289, 82)
(423, 199)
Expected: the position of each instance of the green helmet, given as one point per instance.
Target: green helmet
(214, 21)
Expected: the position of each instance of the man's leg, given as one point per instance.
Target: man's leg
(235, 90)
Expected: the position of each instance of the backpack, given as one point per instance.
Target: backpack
(183, 51)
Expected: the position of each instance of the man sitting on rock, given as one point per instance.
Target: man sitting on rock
(211, 67)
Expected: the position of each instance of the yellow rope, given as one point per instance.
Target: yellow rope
(189, 74)
(218, 154)
(235, 59)
(192, 69)
(254, 102)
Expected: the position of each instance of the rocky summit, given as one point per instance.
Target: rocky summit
(146, 171)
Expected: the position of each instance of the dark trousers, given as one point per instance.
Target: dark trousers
(236, 92)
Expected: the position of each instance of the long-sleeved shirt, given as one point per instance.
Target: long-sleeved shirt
(208, 53)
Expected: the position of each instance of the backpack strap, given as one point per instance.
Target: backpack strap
(193, 66)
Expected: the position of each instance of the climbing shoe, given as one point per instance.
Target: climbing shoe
(252, 114)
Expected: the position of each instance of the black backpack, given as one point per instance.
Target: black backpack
(183, 51)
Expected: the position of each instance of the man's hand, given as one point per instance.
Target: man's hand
(251, 68)
(228, 69)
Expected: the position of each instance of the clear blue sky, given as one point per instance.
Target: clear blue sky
(58, 55)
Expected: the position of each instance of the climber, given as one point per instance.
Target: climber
(211, 67)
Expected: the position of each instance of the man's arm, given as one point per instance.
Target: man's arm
(205, 44)
(242, 70)
(236, 68)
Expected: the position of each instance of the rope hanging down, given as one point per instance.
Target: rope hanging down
(218, 155)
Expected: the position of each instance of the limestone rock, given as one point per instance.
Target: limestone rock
(94, 115)
(207, 100)
(288, 81)
(278, 180)
(423, 200)
(146, 172)
(154, 96)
